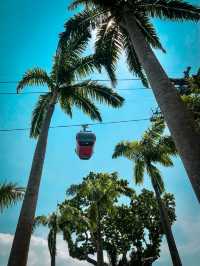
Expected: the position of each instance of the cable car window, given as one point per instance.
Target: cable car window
(84, 143)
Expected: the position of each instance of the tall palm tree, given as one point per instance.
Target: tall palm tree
(64, 88)
(126, 25)
(52, 222)
(10, 193)
(151, 149)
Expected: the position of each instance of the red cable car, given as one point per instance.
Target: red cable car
(85, 141)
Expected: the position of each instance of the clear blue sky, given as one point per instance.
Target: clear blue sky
(29, 34)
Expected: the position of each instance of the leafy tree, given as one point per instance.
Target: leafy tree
(131, 233)
(189, 89)
(64, 88)
(92, 199)
(10, 193)
(153, 148)
(126, 25)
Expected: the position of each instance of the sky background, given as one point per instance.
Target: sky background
(28, 36)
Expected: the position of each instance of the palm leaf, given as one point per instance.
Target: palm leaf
(126, 149)
(149, 31)
(99, 93)
(10, 193)
(85, 66)
(80, 100)
(171, 9)
(132, 59)
(39, 114)
(35, 76)
(108, 46)
(40, 220)
(139, 167)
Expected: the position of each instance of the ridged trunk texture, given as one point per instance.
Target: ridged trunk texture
(167, 227)
(21, 242)
(178, 118)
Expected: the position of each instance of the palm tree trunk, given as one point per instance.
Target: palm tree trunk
(178, 118)
(21, 242)
(99, 245)
(167, 227)
(53, 260)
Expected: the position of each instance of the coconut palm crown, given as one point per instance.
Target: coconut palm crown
(64, 81)
(151, 149)
(107, 17)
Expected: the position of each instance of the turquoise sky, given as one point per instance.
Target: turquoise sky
(29, 34)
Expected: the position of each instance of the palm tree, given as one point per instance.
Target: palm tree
(151, 149)
(52, 222)
(64, 88)
(126, 25)
(10, 193)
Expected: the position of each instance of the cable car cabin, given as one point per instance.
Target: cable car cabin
(85, 141)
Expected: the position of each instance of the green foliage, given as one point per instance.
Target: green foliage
(39, 114)
(69, 66)
(134, 230)
(10, 193)
(131, 230)
(153, 148)
(112, 38)
(189, 89)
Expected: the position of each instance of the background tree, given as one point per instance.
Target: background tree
(189, 89)
(131, 232)
(52, 221)
(126, 25)
(65, 89)
(151, 149)
(10, 193)
(94, 198)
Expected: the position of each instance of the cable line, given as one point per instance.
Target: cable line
(78, 125)
(42, 92)
(103, 80)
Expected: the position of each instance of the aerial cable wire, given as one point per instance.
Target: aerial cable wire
(78, 125)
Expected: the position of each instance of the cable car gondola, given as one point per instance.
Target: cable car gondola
(85, 141)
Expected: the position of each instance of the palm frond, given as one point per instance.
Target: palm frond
(84, 22)
(10, 193)
(108, 46)
(126, 149)
(65, 102)
(155, 131)
(132, 59)
(36, 76)
(171, 9)
(81, 101)
(149, 31)
(99, 93)
(139, 167)
(72, 47)
(40, 220)
(39, 114)
(85, 66)
(77, 3)
(168, 145)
